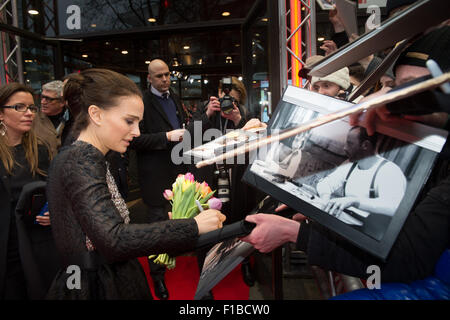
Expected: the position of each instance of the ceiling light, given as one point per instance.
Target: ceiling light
(205, 81)
(265, 19)
(107, 43)
(84, 55)
(320, 39)
(151, 20)
(186, 47)
(124, 52)
(33, 12)
(225, 13)
(240, 78)
(237, 45)
(147, 62)
(93, 25)
(28, 61)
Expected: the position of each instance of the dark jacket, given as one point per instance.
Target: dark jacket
(25, 232)
(156, 170)
(81, 205)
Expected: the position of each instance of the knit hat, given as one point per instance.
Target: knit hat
(303, 73)
(434, 45)
(340, 77)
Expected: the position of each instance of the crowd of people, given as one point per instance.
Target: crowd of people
(77, 142)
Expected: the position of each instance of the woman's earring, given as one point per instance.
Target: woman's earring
(2, 128)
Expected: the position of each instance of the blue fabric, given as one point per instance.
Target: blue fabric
(436, 287)
(171, 110)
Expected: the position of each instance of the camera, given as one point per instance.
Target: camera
(226, 102)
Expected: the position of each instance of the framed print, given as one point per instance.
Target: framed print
(220, 260)
(358, 186)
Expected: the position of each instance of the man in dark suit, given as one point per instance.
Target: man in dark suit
(162, 127)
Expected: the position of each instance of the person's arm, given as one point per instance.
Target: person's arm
(86, 188)
(333, 181)
(271, 231)
(149, 141)
(390, 184)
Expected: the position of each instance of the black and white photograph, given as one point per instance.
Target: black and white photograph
(220, 260)
(351, 182)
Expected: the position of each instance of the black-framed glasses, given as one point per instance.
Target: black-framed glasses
(43, 97)
(23, 108)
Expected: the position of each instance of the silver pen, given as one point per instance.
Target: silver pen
(199, 205)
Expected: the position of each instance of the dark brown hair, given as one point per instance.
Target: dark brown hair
(100, 87)
(29, 140)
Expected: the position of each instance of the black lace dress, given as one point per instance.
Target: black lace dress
(90, 228)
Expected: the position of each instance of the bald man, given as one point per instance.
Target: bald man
(161, 129)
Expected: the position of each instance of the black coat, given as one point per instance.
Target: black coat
(81, 205)
(35, 242)
(156, 170)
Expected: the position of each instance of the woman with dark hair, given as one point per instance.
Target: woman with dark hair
(89, 217)
(22, 160)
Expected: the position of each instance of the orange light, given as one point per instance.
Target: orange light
(296, 44)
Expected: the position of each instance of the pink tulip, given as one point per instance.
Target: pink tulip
(215, 203)
(168, 194)
(189, 176)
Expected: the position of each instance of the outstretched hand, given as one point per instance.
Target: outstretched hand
(271, 231)
(369, 118)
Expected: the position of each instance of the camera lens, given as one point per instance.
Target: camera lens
(226, 104)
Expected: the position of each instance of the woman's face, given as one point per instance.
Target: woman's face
(233, 93)
(120, 124)
(17, 122)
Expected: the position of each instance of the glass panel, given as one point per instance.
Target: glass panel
(80, 16)
(192, 87)
(257, 65)
(38, 63)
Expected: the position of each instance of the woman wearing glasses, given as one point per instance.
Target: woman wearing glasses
(22, 160)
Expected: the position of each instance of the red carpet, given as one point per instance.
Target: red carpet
(182, 281)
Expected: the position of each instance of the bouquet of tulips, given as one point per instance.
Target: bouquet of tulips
(185, 191)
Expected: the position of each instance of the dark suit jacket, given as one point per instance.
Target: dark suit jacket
(156, 170)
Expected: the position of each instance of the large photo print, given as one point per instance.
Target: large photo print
(360, 186)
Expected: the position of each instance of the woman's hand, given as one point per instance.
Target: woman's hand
(234, 115)
(213, 106)
(209, 220)
(254, 123)
(43, 220)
